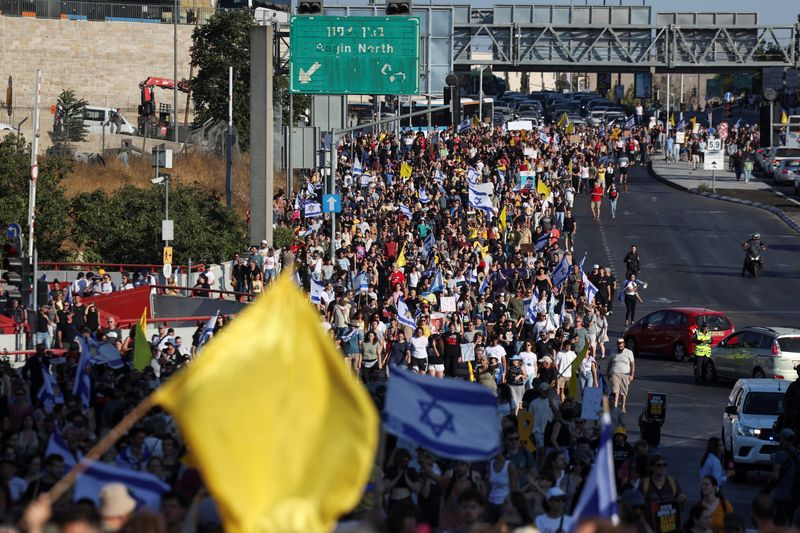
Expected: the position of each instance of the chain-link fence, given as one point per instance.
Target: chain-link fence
(58, 9)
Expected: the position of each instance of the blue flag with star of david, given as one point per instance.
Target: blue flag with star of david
(450, 418)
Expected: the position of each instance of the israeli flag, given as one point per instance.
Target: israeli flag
(49, 393)
(532, 307)
(501, 175)
(599, 496)
(103, 353)
(405, 211)
(427, 246)
(349, 335)
(82, 387)
(403, 314)
(464, 126)
(423, 196)
(438, 176)
(208, 330)
(736, 126)
(357, 168)
(472, 175)
(602, 131)
(447, 417)
(542, 241)
(312, 209)
(145, 488)
(317, 288)
(630, 122)
(543, 137)
(480, 200)
(484, 285)
(589, 289)
(561, 272)
(438, 282)
(360, 283)
(473, 276)
(681, 125)
(57, 444)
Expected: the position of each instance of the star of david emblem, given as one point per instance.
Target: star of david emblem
(436, 417)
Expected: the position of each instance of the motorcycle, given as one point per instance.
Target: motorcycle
(753, 261)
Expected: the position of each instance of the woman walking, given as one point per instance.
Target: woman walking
(613, 195)
(631, 292)
(711, 463)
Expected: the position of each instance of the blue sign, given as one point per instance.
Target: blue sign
(711, 132)
(728, 97)
(331, 203)
(13, 231)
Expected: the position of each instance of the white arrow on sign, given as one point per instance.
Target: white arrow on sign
(331, 203)
(386, 68)
(305, 75)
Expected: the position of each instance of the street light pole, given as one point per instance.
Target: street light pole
(175, 70)
(480, 94)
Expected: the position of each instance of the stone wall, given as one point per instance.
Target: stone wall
(104, 62)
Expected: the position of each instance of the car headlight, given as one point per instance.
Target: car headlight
(746, 431)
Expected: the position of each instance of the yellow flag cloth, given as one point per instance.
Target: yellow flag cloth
(542, 188)
(284, 436)
(693, 120)
(576, 365)
(784, 118)
(401, 259)
(563, 120)
(503, 219)
(471, 372)
(570, 128)
(142, 354)
(405, 170)
(672, 120)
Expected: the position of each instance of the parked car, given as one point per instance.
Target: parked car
(671, 331)
(757, 352)
(787, 171)
(95, 119)
(747, 436)
(775, 157)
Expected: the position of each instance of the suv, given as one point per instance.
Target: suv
(776, 155)
(671, 331)
(754, 406)
(757, 352)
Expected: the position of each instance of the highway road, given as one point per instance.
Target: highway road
(690, 247)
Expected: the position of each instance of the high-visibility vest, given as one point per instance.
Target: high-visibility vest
(702, 344)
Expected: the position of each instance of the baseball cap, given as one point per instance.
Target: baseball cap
(555, 492)
(620, 430)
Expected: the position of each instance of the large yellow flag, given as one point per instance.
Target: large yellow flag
(284, 436)
(401, 259)
(542, 188)
(563, 120)
(784, 118)
(405, 170)
(576, 365)
(693, 120)
(672, 120)
(142, 353)
(570, 128)
(503, 220)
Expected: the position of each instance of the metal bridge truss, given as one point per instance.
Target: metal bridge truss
(523, 46)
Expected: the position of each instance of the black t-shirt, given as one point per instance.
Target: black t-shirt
(67, 333)
(398, 352)
(569, 223)
(452, 345)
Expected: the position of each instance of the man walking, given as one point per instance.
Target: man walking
(621, 370)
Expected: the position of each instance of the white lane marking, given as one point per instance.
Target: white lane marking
(607, 250)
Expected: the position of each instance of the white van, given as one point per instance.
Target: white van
(95, 117)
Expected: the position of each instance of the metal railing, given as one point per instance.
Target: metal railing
(102, 11)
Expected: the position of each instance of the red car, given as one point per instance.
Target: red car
(671, 331)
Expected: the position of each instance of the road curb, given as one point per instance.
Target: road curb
(774, 210)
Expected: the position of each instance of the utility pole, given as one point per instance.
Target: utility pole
(34, 163)
(174, 114)
(666, 128)
(229, 151)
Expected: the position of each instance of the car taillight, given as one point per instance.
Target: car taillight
(785, 171)
(778, 376)
(776, 349)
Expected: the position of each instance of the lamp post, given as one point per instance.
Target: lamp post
(480, 93)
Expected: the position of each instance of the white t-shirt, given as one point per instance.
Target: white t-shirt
(545, 524)
(498, 350)
(564, 362)
(419, 347)
(529, 362)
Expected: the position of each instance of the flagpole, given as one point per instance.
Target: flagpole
(97, 451)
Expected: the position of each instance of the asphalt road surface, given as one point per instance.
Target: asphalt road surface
(691, 255)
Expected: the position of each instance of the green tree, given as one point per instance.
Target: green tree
(69, 125)
(125, 227)
(223, 42)
(51, 215)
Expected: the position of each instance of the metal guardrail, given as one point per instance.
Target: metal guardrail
(102, 11)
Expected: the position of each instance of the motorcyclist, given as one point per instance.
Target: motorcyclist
(702, 353)
(751, 246)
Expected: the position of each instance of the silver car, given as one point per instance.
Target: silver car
(757, 352)
(788, 171)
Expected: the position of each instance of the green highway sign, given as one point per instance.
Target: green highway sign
(354, 55)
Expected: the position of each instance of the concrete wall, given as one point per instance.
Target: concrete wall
(104, 62)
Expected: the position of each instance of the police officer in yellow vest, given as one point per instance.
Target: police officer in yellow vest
(702, 353)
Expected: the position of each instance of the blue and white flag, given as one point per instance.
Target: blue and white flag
(349, 335)
(484, 285)
(472, 176)
(144, 487)
(480, 200)
(588, 288)
(316, 290)
(312, 209)
(405, 211)
(542, 241)
(82, 387)
(736, 126)
(360, 283)
(599, 496)
(437, 285)
(630, 122)
(57, 444)
(423, 196)
(403, 314)
(543, 137)
(357, 168)
(561, 272)
(208, 330)
(681, 125)
(427, 246)
(104, 353)
(438, 176)
(473, 276)
(602, 130)
(447, 417)
(464, 126)
(49, 393)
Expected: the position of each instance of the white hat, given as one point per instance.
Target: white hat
(115, 501)
(555, 492)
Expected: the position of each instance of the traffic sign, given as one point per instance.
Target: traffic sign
(331, 203)
(354, 55)
(714, 160)
(728, 96)
(13, 231)
(167, 255)
(723, 130)
(714, 145)
(711, 132)
(167, 270)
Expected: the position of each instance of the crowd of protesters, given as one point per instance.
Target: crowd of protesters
(457, 254)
